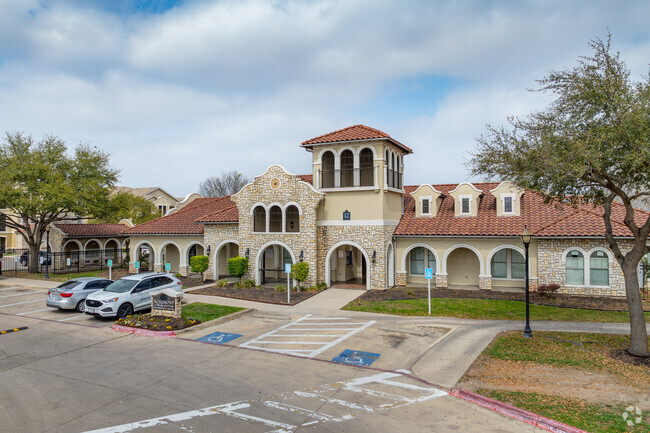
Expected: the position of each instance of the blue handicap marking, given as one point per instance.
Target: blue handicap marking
(356, 357)
(428, 273)
(218, 337)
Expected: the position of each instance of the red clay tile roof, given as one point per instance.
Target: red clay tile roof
(543, 220)
(227, 215)
(306, 178)
(182, 221)
(91, 230)
(353, 133)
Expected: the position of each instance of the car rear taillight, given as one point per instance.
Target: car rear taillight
(179, 283)
(65, 295)
(48, 293)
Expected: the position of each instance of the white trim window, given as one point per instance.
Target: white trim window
(508, 204)
(598, 269)
(508, 264)
(575, 268)
(419, 261)
(425, 205)
(465, 202)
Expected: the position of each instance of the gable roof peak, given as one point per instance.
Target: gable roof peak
(353, 133)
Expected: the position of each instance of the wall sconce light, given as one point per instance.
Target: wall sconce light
(374, 256)
(248, 251)
(208, 250)
(302, 255)
(291, 225)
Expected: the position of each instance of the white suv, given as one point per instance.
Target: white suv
(129, 294)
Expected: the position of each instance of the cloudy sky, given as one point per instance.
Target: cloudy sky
(177, 91)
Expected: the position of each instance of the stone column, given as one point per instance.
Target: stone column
(441, 280)
(485, 283)
(400, 279)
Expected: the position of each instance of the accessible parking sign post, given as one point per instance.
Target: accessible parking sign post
(109, 263)
(428, 274)
(287, 270)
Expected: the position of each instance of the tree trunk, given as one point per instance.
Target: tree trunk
(638, 331)
(33, 258)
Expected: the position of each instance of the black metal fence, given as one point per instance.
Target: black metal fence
(17, 260)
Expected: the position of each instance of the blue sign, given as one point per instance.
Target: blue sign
(346, 215)
(109, 263)
(218, 338)
(356, 357)
(136, 265)
(168, 267)
(287, 268)
(428, 273)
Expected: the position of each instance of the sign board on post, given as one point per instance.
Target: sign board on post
(428, 274)
(136, 265)
(109, 263)
(287, 270)
(67, 261)
(168, 267)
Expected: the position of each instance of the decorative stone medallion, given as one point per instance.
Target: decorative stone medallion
(275, 183)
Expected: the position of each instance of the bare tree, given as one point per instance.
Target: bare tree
(226, 184)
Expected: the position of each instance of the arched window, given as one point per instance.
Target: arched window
(500, 264)
(398, 170)
(347, 168)
(275, 219)
(259, 219)
(366, 165)
(293, 219)
(575, 268)
(508, 263)
(420, 260)
(517, 265)
(599, 269)
(328, 170)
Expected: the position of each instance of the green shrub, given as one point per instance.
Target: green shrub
(280, 288)
(238, 266)
(178, 275)
(249, 283)
(322, 285)
(199, 264)
(300, 272)
(222, 283)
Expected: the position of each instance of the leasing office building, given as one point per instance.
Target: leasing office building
(353, 220)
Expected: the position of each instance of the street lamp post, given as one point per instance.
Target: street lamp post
(526, 238)
(47, 253)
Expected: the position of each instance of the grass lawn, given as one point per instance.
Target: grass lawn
(487, 309)
(509, 368)
(206, 312)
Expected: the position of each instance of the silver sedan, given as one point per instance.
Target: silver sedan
(72, 294)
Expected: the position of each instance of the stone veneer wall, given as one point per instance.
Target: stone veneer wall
(369, 238)
(291, 190)
(215, 234)
(551, 268)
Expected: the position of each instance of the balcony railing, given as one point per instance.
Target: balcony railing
(393, 178)
(347, 177)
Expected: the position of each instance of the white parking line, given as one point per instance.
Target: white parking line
(23, 294)
(288, 404)
(34, 311)
(307, 323)
(9, 288)
(21, 303)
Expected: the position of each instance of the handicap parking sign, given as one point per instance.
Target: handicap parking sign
(219, 337)
(428, 273)
(356, 357)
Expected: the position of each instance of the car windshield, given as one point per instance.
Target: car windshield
(69, 285)
(121, 286)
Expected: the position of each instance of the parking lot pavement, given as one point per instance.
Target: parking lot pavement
(29, 301)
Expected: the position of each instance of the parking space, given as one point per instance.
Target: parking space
(29, 301)
(331, 403)
(308, 336)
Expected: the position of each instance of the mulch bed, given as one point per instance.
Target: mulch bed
(156, 323)
(558, 300)
(263, 294)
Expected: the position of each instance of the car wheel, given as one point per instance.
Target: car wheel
(124, 310)
(81, 306)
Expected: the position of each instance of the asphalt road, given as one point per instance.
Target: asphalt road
(76, 376)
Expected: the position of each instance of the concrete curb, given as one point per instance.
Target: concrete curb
(144, 332)
(217, 321)
(515, 412)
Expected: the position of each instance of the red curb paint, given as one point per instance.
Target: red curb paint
(515, 412)
(144, 332)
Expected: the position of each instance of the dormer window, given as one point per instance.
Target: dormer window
(465, 208)
(426, 209)
(507, 204)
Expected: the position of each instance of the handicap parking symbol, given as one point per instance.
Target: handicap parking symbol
(356, 357)
(218, 337)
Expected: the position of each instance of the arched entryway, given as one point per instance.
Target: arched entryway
(171, 253)
(390, 266)
(111, 248)
(144, 253)
(346, 264)
(191, 251)
(270, 262)
(223, 252)
(463, 266)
